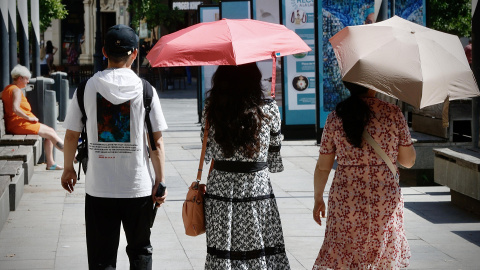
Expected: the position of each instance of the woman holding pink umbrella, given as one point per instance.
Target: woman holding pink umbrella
(242, 220)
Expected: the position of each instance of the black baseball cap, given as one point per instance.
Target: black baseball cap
(120, 40)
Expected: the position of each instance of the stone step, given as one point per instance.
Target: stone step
(34, 141)
(13, 169)
(4, 199)
(23, 153)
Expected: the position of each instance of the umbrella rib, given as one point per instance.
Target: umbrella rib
(231, 42)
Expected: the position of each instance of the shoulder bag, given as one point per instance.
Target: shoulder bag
(193, 213)
(380, 152)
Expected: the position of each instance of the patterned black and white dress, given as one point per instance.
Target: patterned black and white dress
(243, 224)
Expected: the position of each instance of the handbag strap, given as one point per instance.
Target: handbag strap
(380, 152)
(204, 148)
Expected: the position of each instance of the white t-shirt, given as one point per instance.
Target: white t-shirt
(118, 159)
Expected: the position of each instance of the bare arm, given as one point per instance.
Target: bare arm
(320, 177)
(406, 156)
(69, 176)
(158, 162)
(17, 98)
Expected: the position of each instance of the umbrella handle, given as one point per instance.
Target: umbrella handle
(274, 73)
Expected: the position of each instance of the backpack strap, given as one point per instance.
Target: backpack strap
(147, 101)
(83, 134)
(81, 102)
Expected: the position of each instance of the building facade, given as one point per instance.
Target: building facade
(75, 35)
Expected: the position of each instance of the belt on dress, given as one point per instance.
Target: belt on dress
(239, 166)
(245, 255)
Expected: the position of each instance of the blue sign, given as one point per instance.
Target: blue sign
(236, 9)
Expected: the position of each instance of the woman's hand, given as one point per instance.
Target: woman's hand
(319, 209)
(320, 178)
(32, 119)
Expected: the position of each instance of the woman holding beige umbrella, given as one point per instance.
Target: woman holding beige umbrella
(364, 228)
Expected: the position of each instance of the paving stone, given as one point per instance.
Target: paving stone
(28, 264)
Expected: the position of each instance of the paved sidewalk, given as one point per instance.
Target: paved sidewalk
(48, 232)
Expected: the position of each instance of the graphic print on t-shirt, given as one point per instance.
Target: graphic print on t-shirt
(113, 121)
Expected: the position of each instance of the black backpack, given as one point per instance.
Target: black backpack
(82, 148)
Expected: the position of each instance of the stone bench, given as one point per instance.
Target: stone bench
(422, 173)
(4, 199)
(20, 152)
(8, 139)
(14, 171)
(459, 169)
(34, 141)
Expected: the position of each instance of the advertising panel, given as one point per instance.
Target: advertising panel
(299, 69)
(269, 11)
(335, 15)
(206, 13)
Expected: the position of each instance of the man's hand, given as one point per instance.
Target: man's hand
(69, 179)
(158, 200)
(69, 176)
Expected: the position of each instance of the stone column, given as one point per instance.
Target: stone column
(35, 17)
(23, 33)
(4, 66)
(122, 13)
(12, 32)
(86, 58)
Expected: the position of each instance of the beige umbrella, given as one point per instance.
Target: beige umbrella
(405, 60)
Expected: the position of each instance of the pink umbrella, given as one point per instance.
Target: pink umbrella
(226, 42)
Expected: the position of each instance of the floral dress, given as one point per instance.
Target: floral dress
(365, 205)
(242, 220)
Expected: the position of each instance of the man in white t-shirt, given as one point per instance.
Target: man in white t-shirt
(119, 185)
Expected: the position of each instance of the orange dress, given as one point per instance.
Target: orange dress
(14, 123)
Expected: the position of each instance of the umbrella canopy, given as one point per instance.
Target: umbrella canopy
(225, 42)
(405, 60)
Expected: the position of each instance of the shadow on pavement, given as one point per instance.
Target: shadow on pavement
(441, 212)
(471, 236)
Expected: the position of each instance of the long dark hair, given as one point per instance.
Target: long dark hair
(355, 113)
(49, 47)
(233, 108)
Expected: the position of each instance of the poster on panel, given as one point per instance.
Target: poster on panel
(206, 13)
(412, 10)
(299, 69)
(335, 15)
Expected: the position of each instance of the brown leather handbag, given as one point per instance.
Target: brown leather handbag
(193, 213)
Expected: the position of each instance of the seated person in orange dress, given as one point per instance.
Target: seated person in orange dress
(19, 118)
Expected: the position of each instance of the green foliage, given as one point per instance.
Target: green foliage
(50, 10)
(453, 17)
(155, 13)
